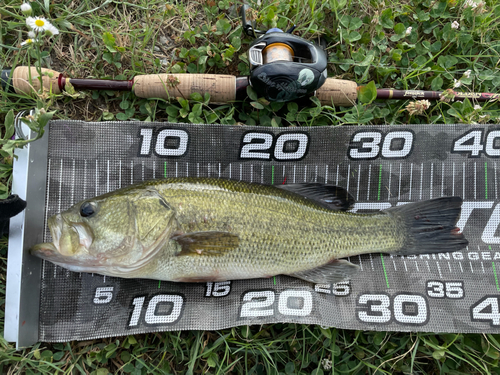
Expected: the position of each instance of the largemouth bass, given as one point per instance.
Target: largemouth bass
(202, 229)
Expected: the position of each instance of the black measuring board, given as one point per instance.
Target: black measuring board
(381, 166)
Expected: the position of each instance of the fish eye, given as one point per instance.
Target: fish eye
(87, 209)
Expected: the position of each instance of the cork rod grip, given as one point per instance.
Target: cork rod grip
(338, 92)
(24, 85)
(222, 88)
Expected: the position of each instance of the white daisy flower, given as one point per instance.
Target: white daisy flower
(467, 73)
(29, 41)
(408, 31)
(37, 24)
(455, 25)
(457, 83)
(51, 30)
(26, 9)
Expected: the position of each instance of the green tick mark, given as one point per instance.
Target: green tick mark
(272, 174)
(495, 273)
(385, 272)
(165, 170)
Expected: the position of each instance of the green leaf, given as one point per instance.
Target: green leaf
(9, 124)
(196, 96)
(397, 54)
(172, 111)
(353, 36)
(257, 105)
(122, 116)
(109, 41)
(236, 42)
(367, 93)
(386, 19)
(435, 47)
(251, 93)
(400, 28)
(223, 26)
(437, 83)
(124, 104)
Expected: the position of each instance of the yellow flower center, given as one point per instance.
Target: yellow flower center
(39, 23)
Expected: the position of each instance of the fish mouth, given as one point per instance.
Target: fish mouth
(68, 238)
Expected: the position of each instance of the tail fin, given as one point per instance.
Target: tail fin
(431, 226)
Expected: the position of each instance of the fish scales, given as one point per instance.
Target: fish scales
(205, 229)
(278, 231)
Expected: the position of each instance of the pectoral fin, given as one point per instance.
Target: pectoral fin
(330, 273)
(206, 243)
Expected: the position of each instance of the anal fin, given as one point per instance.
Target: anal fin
(330, 273)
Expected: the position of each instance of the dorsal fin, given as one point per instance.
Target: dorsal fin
(328, 196)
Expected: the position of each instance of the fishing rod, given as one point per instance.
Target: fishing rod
(283, 67)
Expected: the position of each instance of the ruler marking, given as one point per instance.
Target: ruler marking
(360, 263)
(197, 169)
(359, 178)
(220, 172)
(326, 174)
(154, 169)
(132, 171)
(442, 180)
(475, 181)
(463, 181)
(84, 179)
(241, 171)
(400, 177)
(107, 176)
(394, 263)
(60, 187)
(406, 268)
(230, 170)
(432, 179)
(385, 273)
(411, 179)
(485, 180)
(389, 184)
(316, 174)
(176, 169)
(449, 266)
(496, 184)
(337, 179)
(482, 266)
(371, 261)
(416, 265)
(453, 181)
(47, 198)
(421, 178)
(251, 173)
(272, 174)
(187, 169)
(439, 270)
(348, 175)
(208, 169)
(428, 267)
(96, 178)
(471, 269)
(261, 173)
(165, 169)
(305, 173)
(495, 274)
(379, 182)
(142, 171)
(73, 182)
(294, 172)
(461, 269)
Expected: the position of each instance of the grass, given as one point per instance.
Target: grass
(367, 41)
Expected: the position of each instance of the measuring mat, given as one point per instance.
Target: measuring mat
(380, 166)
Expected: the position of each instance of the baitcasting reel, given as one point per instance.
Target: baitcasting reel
(283, 66)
